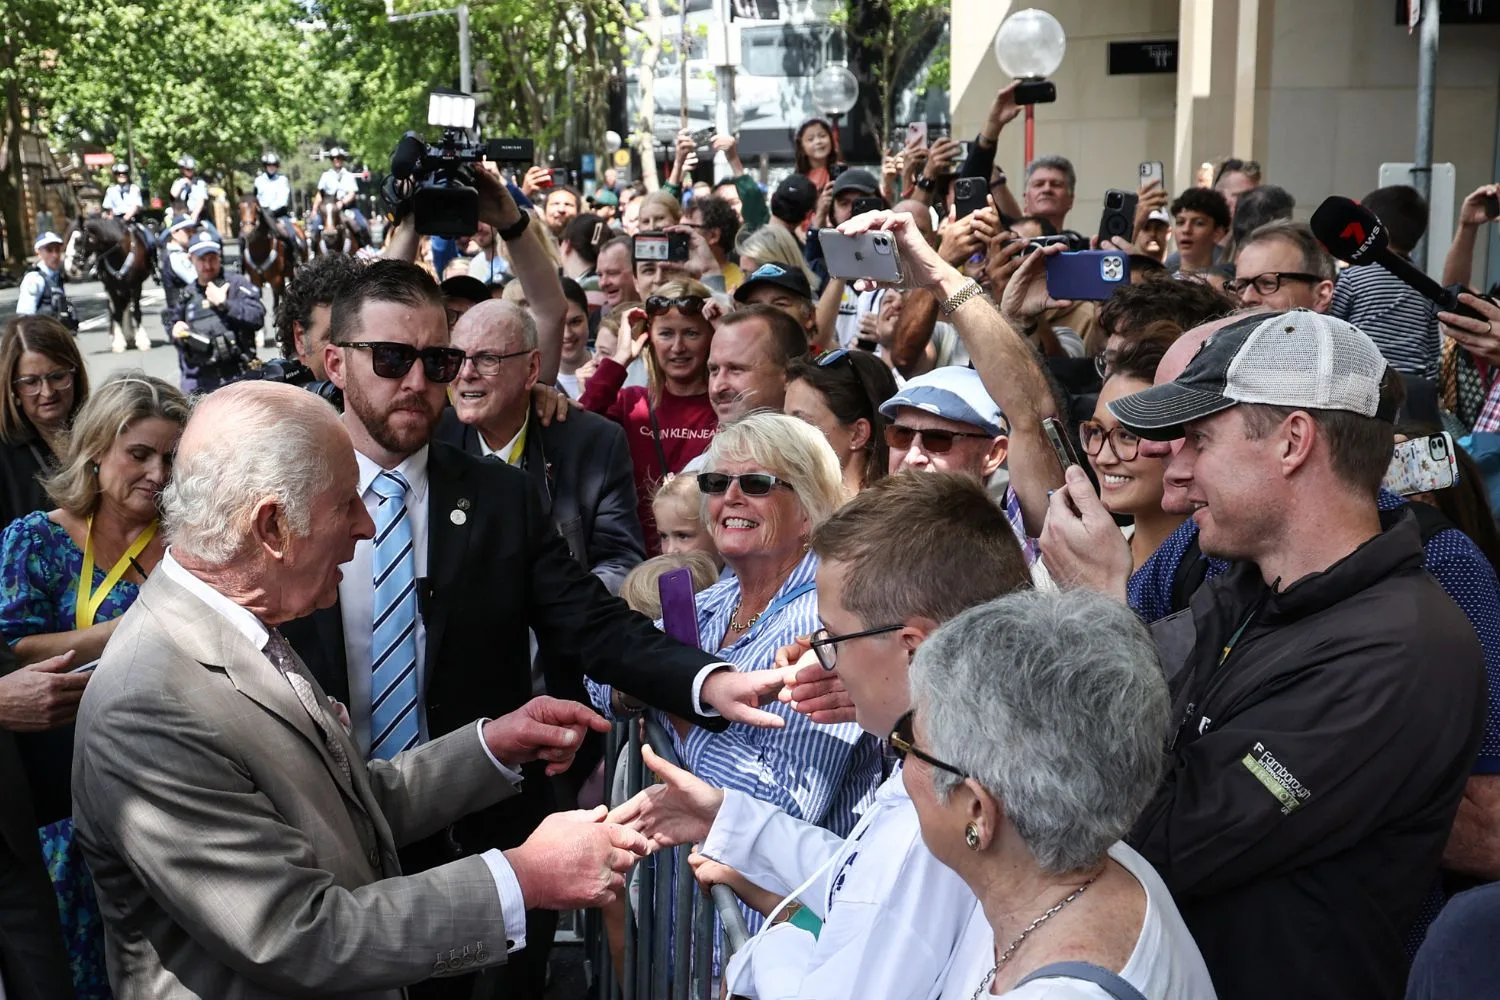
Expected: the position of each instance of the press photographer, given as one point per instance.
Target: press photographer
(214, 322)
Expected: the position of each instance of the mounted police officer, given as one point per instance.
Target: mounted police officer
(42, 292)
(274, 193)
(192, 192)
(123, 199)
(177, 272)
(341, 187)
(214, 322)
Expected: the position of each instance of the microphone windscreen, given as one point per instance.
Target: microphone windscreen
(407, 156)
(1349, 231)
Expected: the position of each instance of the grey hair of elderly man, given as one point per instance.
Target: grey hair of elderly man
(263, 503)
(498, 313)
(1056, 704)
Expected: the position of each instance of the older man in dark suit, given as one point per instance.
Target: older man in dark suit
(483, 568)
(579, 467)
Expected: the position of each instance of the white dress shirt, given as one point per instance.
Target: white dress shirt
(512, 902)
(357, 595)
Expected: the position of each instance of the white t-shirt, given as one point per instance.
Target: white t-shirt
(1165, 965)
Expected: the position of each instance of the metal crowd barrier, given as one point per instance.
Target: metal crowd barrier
(669, 935)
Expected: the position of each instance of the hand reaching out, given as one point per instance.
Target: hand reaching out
(575, 860)
(680, 809)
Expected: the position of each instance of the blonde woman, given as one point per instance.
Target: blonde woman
(66, 577)
(773, 245)
(668, 421)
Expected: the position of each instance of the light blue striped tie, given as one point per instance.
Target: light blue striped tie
(393, 667)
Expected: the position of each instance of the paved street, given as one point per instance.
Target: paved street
(93, 333)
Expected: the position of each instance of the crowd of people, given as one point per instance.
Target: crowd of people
(1039, 648)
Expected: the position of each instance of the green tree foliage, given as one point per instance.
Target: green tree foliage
(890, 39)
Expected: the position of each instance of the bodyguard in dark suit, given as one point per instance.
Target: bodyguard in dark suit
(579, 467)
(433, 614)
(33, 964)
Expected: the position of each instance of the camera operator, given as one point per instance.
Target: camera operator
(214, 323)
(500, 209)
(303, 309)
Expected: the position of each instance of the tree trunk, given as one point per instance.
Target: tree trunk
(12, 204)
(646, 136)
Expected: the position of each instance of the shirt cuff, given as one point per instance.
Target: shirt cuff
(512, 903)
(698, 706)
(514, 777)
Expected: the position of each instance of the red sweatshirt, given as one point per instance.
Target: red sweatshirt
(687, 425)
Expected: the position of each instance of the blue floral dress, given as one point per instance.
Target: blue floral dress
(39, 570)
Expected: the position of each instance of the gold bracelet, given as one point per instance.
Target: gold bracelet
(970, 289)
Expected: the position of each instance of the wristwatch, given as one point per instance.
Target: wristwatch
(515, 231)
(970, 289)
(926, 183)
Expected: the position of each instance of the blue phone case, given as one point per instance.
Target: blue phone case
(1087, 274)
(679, 607)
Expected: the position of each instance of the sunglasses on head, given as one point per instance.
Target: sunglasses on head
(688, 305)
(752, 484)
(391, 360)
(934, 442)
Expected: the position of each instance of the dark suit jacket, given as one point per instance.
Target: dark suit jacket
(580, 469)
(500, 572)
(32, 960)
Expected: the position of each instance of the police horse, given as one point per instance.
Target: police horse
(339, 234)
(267, 257)
(122, 256)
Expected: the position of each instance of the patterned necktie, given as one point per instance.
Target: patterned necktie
(280, 653)
(393, 666)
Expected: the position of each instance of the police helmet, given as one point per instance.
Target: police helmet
(338, 153)
(120, 168)
(267, 159)
(187, 163)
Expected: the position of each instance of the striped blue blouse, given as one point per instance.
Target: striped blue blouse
(823, 774)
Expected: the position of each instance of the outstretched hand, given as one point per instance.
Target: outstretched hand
(679, 810)
(575, 860)
(545, 728)
(737, 696)
(811, 690)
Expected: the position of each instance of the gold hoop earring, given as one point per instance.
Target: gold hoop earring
(971, 836)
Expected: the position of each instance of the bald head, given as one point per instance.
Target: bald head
(501, 316)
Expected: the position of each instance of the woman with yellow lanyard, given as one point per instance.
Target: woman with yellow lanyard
(66, 576)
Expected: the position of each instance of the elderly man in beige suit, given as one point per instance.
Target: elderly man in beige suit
(240, 844)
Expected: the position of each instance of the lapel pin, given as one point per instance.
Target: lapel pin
(458, 517)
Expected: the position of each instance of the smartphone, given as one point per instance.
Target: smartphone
(869, 203)
(1062, 445)
(704, 136)
(672, 247)
(1119, 214)
(548, 180)
(916, 132)
(872, 256)
(970, 194)
(679, 608)
(1037, 242)
(1423, 464)
(1152, 170)
(84, 668)
(1036, 92)
(957, 166)
(1087, 275)
(1492, 206)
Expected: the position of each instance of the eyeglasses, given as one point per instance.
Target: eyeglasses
(825, 646)
(832, 357)
(934, 442)
(688, 305)
(901, 742)
(1267, 283)
(31, 385)
(752, 484)
(488, 364)
(390, 360)
(1250, 168)
(1104, 362)
(1122, 442)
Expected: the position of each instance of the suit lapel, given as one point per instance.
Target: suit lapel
(329, 624)
(451, 512)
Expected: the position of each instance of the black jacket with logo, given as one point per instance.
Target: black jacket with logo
(1314, 769)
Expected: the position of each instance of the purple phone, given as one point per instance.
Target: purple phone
(679, 608)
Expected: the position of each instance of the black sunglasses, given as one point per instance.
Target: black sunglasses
(825, 646)
(934, 442)
(390, 360)
(688, 305)
(901, 742)
(752, 484)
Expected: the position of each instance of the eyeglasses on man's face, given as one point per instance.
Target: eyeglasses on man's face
(1270, 282)
(825, 645)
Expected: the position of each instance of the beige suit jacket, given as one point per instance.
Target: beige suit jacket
(232, 857)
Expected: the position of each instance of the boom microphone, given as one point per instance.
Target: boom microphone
(1352, 233)
(406, 158)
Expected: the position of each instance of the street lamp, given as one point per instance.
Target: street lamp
(1029, 46)
(834, 91)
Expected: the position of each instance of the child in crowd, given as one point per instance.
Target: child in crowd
(678, 508)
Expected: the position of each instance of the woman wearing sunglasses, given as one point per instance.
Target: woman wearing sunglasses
(840, 394)
(1130, 483)
(1033, 746)
(669, 421)
(770, 480)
